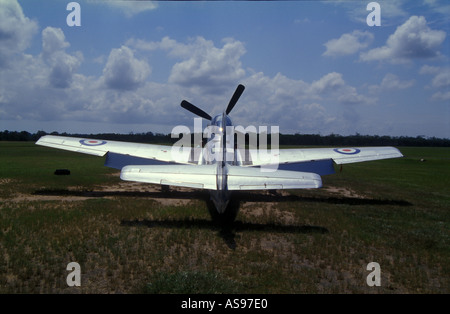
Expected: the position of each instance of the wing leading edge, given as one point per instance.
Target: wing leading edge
(338, 155)
(163, 153)
(102, 147)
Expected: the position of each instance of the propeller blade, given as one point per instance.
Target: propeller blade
(199, 112)
(235, 98)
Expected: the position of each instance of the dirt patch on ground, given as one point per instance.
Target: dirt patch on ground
(5, 181)
(267, 209)
(137, 187)
(172, 196)
(31, 198)
(343, 191)
(74, 194)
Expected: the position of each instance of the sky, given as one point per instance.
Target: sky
(309, 67)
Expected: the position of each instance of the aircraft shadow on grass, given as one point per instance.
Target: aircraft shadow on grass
(227, 231)
(238, 196)
(225, 224)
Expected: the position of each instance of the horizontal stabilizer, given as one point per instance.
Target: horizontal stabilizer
(192, 176)
(204, 177)
(249, 178)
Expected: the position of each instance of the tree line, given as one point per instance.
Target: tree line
(284, 139)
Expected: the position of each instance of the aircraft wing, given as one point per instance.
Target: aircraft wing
(102, 147)
(338, 155)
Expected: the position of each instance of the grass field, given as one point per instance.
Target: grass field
(134, 238)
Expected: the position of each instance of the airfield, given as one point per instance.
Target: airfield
(129, 237)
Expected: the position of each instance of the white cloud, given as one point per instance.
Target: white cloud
(328, 83)
(202, 64)
(413, 39)
(209, 66)
(440, 82)
(442, 79)
(444, 96)
(322, 106)
(279, 101)
(53, 39)
(391, 82)
(63, 65)
(131, 7)
(333, 85)
(175, 48)
(427, 69)
(123, 71)
(16, 31)
(391, 10)
(203, 72)
(348, 43)
(440, 7)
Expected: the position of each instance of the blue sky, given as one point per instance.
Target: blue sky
(308, 66)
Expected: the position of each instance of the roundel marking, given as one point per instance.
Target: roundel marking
(92, 142)
(347, 151)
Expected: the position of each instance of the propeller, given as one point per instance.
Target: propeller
(199, 112)
(238, 92)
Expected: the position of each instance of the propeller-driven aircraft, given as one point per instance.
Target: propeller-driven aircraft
(219, 166)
